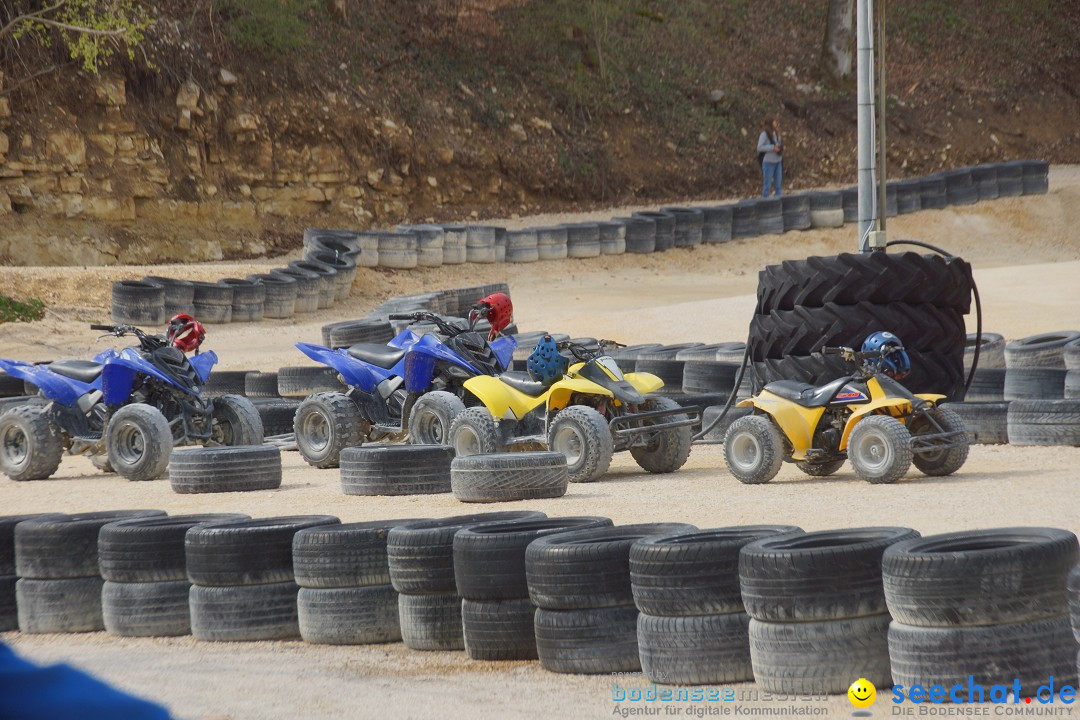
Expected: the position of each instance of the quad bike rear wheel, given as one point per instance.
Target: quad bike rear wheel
(325, 424)
(582, 435)
(668, 451)
(236, 421)
(880, 449)
(30, 444)
(941, 462)
(431, 417)
(474, 432)
(139, 442)
(753, 450)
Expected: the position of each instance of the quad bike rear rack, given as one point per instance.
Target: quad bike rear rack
(692, 413)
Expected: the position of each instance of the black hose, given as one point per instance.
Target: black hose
(731, 397)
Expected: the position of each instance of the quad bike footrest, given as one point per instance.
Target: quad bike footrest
(933, 442)
(692, 413)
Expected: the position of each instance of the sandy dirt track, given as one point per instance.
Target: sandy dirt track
(1027, 258)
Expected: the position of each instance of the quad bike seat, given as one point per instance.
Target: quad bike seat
(522, 382)
(805, 394)
(86, 371)
(378, 355)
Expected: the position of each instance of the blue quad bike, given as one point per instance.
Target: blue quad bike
(126, 409)
(409, 390)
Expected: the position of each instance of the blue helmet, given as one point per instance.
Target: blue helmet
(545, 363)
(895, 364)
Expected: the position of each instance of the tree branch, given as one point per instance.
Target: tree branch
(39, 73)
(34, 16)
(80, 29)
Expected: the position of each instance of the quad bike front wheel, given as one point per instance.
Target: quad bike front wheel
(582, 435)
(139, 441)
(880, 449)
(325, 424)
(431, 417)
(945, 461)
(753, 450)
(474, 432)
(669, 449)
(236, 421)
(30, 444)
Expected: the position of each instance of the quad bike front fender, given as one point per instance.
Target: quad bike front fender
(57, 388)
(644, 382)
(795, 421)
(501, 400)
(203, 363)
(897, 407)
(931, 398)
(559, 394)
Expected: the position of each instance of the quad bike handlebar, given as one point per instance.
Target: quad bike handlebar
(587, 352)
(444, 327)
(146, 341)
(852, 356)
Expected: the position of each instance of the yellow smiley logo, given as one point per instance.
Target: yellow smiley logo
(862, 693)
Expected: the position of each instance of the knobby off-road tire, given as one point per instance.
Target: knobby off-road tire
(825, 575)
(150, 549)
(236, 421)
(139, 442)
(349, 615)
(244, 613)
(396, 470)
(325, 424)
(697, 650)
(489, 560)
(431, 622)
(65, 546)
(30, 444)
(146, 609)
(670, 449)
(879, 449)
(59, 606)
(694, 573)
(587, 568)
(588, 641)
(986, 421)
(505, 477)
(820, 656)
(225, 469)
(499, 629)
(1044, 422)
(431, 417)
(979, 577)
(819, 469)
(474, 432)
(753, 449)
(581, 434)
(342, 556)
(942, 462)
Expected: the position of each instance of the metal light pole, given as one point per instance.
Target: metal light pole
(865, 81)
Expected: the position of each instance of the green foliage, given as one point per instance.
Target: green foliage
(91, 30)
(12, 310)
(921, 19)
(274, 28)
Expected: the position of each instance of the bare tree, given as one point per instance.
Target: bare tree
(836, 51)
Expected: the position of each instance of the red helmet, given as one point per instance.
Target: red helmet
(185, 332)
(497, 309)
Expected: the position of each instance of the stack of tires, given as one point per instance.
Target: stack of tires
(56, 559)
(489, 568)
(396, 469)
(664, 363)
(1035, 382)
(179, 295)
(839, 300)
(984, 409)
(586, 620)
(280, 294)
(640, 234)
(138, 302)
(1071, 355)
(551, 243)
(248, 299)
(345, 593)
(144, 566)
(421, 560)
(9, 613)
(664, 238)
(982, 607)
(243, 586)
(717, 227)
(506, 477)
(692, 628)
(818, 613)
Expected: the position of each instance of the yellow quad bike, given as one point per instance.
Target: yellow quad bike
(590, 413)
(866, 417)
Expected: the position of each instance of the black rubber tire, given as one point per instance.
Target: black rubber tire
(343, 265)
(246, 552)
(431, 417)
(245, 292)
(1034, 384)
(351, 332)
(328, 282)
(225, 469)
(1072, 589)
(826, 575)
(349, 615)
(431, 622)
(342, 556)
(689, 223)
(663, 363)
(31, 446)
(9, 608)
(212, 302)
(280, 293)
(137, 302)
(979, 577)
(499, 629)
(583, 430)
(396, 470)
(326, 424)
(878, 278)
(716, 435)
(986, 386)
(276, 415)
(149, 549)
(236, 421)
(1044, 422)
(299, 382)
(942, 462)
(474, 432)
(7, 538)
(224, 382)
(697, 650)
(991, 351)
(796, 210)
(1072, 384)
(308, 285)
(245, 613)
(421, 555)
(260, 384)
(138, 440)
(819, 469)
(986, 421)
(669, 449)
(1045, 350)
(146, 609)
(753, 449)
(693, 573)
(71, 605)
(1032, 652)
(589, 641)
(822, 656)
(54, 547)
(587, 568)
(179, 294)
(709, 376)
(884, 437)
(506, 477)
(489, 560)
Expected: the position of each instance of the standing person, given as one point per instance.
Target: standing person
(770, 154)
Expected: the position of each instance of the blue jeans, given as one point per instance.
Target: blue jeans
(771, 171)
